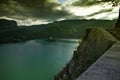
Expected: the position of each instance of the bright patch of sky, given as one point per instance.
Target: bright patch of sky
(34, 22)
(85, 11)
(108, 15)
(27, 22)
(69, 2)
(62, 1)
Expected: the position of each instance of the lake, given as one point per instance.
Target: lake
(35, 59)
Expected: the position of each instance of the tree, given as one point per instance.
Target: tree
(118, 21)
(115, 3)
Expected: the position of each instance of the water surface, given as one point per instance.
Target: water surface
(35, 59)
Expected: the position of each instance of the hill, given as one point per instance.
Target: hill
(10, 32)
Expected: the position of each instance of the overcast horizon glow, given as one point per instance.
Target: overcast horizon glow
(48, 11)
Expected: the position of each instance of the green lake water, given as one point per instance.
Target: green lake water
(35, 59)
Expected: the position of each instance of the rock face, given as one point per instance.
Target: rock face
(94, 44)
(7, 24)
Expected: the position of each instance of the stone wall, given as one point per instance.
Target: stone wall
(107, 67)
(94, 44)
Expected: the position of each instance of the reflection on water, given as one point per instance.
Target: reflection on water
(35, 59)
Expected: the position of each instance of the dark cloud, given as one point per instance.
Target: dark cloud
(99, 12)
(45, 10)
(40, 9)
(86, 2)
(94, 2)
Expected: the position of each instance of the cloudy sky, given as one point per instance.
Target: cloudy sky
(30, 12)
